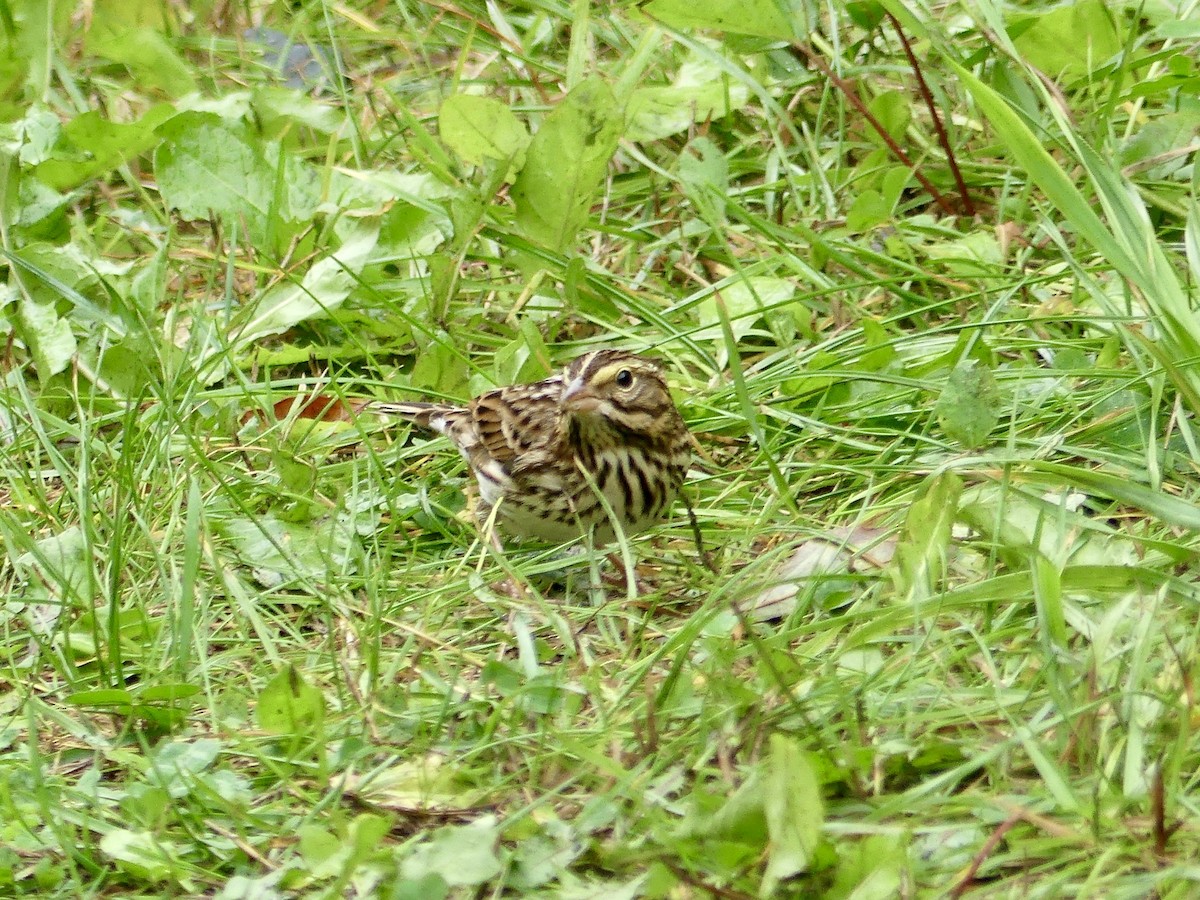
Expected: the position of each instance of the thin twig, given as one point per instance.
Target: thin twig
(943, 139)
(844, 86)
(985, 851)
(705, 557)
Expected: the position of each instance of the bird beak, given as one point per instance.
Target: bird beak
(579, 398)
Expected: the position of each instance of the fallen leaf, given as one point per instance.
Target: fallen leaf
(840, 551)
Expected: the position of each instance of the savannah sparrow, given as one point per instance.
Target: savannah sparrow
(541, 451)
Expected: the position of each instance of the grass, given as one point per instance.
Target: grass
(252, 644)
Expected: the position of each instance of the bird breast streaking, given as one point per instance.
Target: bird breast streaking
(542, 453)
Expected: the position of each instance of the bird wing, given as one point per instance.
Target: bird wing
(518, 423)
(500, 433)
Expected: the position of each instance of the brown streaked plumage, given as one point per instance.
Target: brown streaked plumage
(541, 451)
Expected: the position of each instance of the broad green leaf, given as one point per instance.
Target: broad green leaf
(123, 14)
(919, 563)
(794, 810)
(1162, 145)
(543, 857)
(700, 92)
(424, 782)
(280, 550)
(33, 137)
(428, 887)
(1175, 29)
(280, 108)
(61, 274)
(746, 302)
(704, 174)
(34, 39)
(524, 358)
(323, 289)
(479, 128)
(40, 212)
(367, 832)
(127, 366)
(55, 309)
(289, 705)
(870, 869)
(740, 817)
(879, 346)
(893, 110)
(1070, 40)
(459, 854)
(973, 254)
(565, 165)
(868, 210)
(206, 166)
(186, 756)
(323, 852)
(148, 54)
(48, 336)
(440, 368)
(1022, 524)
(63, 561)
(760, 18)
(142, 854)
(91, 145)
(867, 14)
(969, 406)
(327, 854)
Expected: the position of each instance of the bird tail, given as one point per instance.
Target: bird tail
(420, 414)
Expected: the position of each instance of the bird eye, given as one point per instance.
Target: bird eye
(624, 379)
